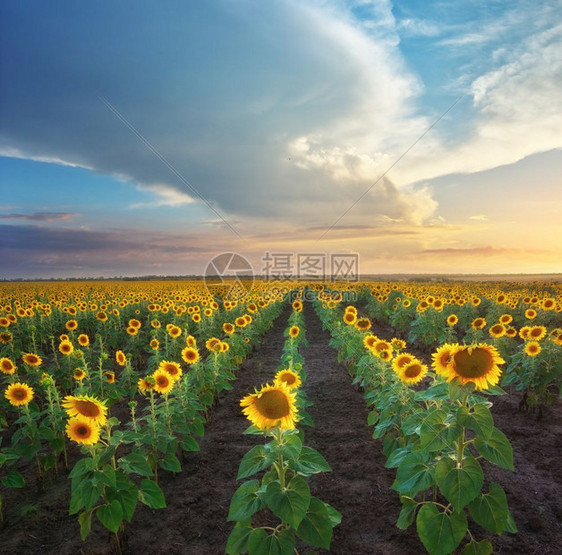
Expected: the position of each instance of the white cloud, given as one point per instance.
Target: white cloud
(165, 195)
(479, 218)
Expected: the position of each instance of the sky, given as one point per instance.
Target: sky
(145, 138)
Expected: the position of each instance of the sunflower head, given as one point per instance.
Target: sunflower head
(363, 324)
(532, 348)
(536, 333)
(31, 359)
(402, 360)
(350, 318)
(66, 348)
(477, 364)
(228, 328)
(19, 394)
(87, 407)
(82, 430)
(271, 406)
(452, 320)
(190, 355)
(163, 382)
(289, 378)
(497, 330)
(412, 372)
(79, 374)
(443, 357)
(294, 331)
(145, 384)
(120, 358)
(109, 376)
(172, 368)
(7, 366)
(478, 323)
(83, 340)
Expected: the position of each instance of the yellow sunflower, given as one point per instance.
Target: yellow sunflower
(537, 333)
(402, 360)
(369, 340)
(532, 348)
(7, 366)
(120, 358)
(363, 324)
(83, 340)
(452, 320)
(412, 372)
(31, 359)
(132, 331)
(478, 323)
(71, 325)
(289, 378)
(82, 430)
(86, 407)
(163, 382)
(145, 384)
(19, 394)
(190, 341)
(474, 363)
(524, 332)
(443, 357)
(109, 377)
(66, 348)
(174, 332)
(79, 374)
(6, 337)
(190, 355)
(154, 344)
(350, 318)
(272, 405)
(228, 328)
(134, 323)
(294, 331)
(506, 318)
(530, 314)
(497, 330)
(172, 368)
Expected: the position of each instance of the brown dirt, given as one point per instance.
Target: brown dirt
(359, 486)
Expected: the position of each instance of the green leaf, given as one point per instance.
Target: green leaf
(479, 420)
(436, 434)
(291, 447)
(408, 513)
(496, 449)
(413, 475)
(246, 501)
(136, 463)
(490, 509)
(126, 493)
(372, 418)
(291, 503)
(458, 391)
(254, 460)
(459, 485)
(111, 515)
(170, 462)
(259, 543)
(439, 391)
(151, 494)
(483, 547)
(85, 521)
(311, 462)
(316, 526)
(439, 532)
(13, 480)
(335, 516)
(189, 444)
(83, 466)
(238, 540)
(396, 457)
(511, 526)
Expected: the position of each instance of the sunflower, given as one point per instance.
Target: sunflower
(172, 368)
(385, 354)
(524, 332)
(163, 382)
(212, 343)
(132, 331)
(224, 347)
(397, 344)
(363, 324)
(174, 332)
(79, 374)
(155, 324)
(82, 430)
(101, 316)
(297, 306)
(511, 332)
(532, 348)
(86, 407)
(530, 314)
(190, 355)
(351, 308)
(350, 318)
(443, 357)
(109, 377)
(64, 337)
(294, 331)
(71, 325)
(134, 323)
(83, 340)
(154, 344)
(369, 340)
(412, 372)
(478, 323)
(6, 337)
(549, 304)
(240, 322)
(196, 318)
(497, 330)
(289, 378)
(120, 358)
(537, 333)
(145, 384)
(475, 363)
(438, 305)
(402, 360)
(4, 322)
(228, 328)
(7, 366)
(452, 320)
(272, 405)
(19, 394)
(66, 348)
(190, 341)
(381, 345)
(31, 359)
(506, 318)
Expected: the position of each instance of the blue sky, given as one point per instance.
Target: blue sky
(130, 132)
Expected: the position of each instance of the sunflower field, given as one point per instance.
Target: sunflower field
(300, 417)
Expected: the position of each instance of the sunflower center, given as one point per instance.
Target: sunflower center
(473, 364)
(83, 431)
(87, 408)
(273, 404)
(19, 394)
(288, 378)
(162, 381)
(413, 371)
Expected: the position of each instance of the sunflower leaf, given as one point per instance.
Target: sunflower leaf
(316, 527)
(290, 503)
(490, 509)
(440, 532)
(85, 521)
(135, 463)
(480, 420)
(311, 462)
(483, 547)
(459, 485)
(13, 480)
(413, 475)
(238, 540)
(496, 449)
(111, 515)
(256, 459)
(246, 501)
(151, 494)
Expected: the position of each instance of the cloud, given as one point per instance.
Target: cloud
(165, 196)
(41, 216)
(479, 218)
(487, 251)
